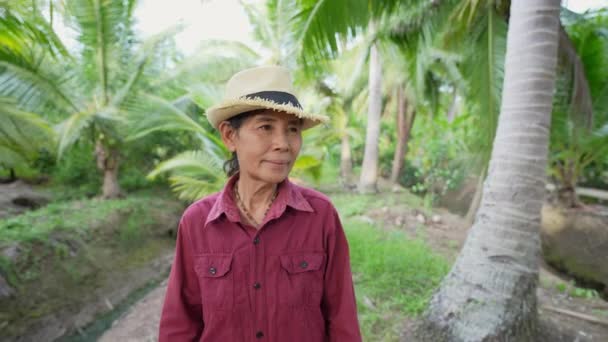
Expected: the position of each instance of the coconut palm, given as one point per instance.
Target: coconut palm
(369, 168)
(496, 299)
(90, 87)
(420, 55)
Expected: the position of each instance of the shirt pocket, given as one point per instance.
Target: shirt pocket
(301, 279)
(216, 280)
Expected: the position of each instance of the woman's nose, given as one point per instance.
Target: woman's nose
(281, 141)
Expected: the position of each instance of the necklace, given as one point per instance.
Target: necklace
(242, 206)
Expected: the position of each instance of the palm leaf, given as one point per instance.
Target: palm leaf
(193, 174)
(71, 129)
(22, 134)
(191, 189)
(101, 24)
(149, 113)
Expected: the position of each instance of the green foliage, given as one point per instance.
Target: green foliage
(76, 217)
(579, 137)
(439, 156)
(22, 135)
(577, 292)
(78, 167)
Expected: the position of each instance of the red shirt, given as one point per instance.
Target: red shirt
(289, 281)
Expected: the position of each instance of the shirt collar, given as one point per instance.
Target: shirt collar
(288, 194)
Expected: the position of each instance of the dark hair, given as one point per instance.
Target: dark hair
(231, 166)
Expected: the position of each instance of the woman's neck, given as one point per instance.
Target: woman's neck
(255, 194)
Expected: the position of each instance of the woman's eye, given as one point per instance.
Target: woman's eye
(265, 127)
(294, 129)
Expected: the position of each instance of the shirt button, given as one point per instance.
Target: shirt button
(256, 241)
(259, 334)
(257, 285)
(212, 270)
(303, 264)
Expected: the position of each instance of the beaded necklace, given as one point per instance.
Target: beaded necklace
(245, 211)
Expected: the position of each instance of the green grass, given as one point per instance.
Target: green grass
(75, 216)
(394, 274)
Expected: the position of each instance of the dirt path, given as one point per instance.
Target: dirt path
(140, 322)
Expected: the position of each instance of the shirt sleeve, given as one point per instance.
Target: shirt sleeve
(181, 316)
(339, 306)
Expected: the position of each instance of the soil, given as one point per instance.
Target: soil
(140, 323)
(17, 197)
(57, 287)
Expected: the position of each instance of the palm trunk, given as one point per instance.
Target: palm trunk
(453, 107)
(107, 162)
(369, 170)
(566, 187)
(404, 127)
(346, 162)
(474, 206)
(489, 295)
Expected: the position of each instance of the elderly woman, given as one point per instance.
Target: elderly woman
(264, 259)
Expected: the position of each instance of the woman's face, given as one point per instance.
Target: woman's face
(267, 144)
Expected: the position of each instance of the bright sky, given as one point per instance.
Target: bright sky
(203, 19)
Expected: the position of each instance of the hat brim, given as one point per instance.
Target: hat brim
(230, 108)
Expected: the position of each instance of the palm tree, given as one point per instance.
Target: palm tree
(490, 293)
(405, 120)
(320, 24)
(369, 168)
(88, 89)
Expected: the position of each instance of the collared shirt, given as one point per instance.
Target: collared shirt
(289, 281)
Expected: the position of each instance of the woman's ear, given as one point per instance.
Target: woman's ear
(228, 134)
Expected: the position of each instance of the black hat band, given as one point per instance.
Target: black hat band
(279, 97)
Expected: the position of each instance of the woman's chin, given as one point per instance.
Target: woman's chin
(274, 175)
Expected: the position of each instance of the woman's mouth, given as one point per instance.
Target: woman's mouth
(278, 162)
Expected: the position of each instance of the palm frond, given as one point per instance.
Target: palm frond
(193, 174)
(581, 106)
(33, 87)
(22, 134)
(192, 163)
(149, 113)
(71, 129)
(191, 189)
(101, 24)
(213, 63)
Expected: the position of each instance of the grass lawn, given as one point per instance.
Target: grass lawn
(394, 275)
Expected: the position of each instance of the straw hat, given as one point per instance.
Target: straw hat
(262, 87)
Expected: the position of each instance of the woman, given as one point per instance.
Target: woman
(264, 259)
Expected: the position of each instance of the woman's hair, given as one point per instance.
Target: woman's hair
(231, 166)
